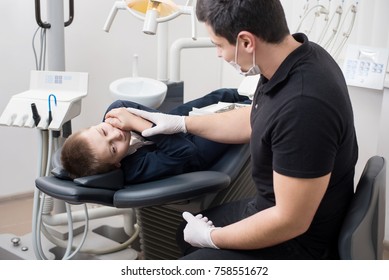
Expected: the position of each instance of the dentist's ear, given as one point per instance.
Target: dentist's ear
(248, 40)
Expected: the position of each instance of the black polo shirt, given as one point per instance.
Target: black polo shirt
(303, 127)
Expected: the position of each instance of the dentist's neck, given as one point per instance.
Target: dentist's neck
(269, 57)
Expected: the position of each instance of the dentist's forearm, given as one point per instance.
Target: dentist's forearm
(261, 230)
(232, 127)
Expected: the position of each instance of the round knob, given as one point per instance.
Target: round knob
(15, 241)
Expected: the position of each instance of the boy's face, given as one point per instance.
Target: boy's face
(109, 143)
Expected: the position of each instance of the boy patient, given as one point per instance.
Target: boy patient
(104, 147)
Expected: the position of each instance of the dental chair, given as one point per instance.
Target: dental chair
(158, 204)
(362, 233)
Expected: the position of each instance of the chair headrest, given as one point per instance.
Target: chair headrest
(113, 180)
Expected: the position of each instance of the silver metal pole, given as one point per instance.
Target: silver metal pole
(55, 36)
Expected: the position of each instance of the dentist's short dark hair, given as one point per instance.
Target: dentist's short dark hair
(263, 18)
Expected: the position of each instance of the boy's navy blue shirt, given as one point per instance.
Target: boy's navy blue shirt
(177, 153)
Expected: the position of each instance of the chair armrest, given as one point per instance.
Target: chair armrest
(176, 188)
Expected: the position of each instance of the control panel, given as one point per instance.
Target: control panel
(366, 66)
(53, 99)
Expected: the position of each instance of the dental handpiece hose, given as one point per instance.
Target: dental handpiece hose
(56, 133)
(35, 115)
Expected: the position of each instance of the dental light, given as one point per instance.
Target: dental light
(152, 12)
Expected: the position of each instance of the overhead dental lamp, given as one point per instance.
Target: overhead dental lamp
(153, 12)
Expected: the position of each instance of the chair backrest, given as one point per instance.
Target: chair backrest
(362, 233)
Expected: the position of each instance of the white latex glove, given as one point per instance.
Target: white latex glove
(198, 231)
(164, 123)
(205, 219)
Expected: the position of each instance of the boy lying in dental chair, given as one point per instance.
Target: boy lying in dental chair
(104, 147)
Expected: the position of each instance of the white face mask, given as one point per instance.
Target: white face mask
(254, 70)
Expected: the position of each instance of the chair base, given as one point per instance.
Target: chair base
(159, 223)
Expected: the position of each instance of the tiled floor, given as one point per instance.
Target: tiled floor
(386, 250)
(16, 216)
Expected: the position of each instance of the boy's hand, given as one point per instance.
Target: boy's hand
(123, 119)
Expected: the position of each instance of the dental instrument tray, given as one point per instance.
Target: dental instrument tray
(53, 99)
(216, 108)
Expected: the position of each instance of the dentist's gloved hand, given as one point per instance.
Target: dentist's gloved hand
(164, 123)
(198, 231)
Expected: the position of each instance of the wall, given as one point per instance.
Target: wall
(18, 150)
